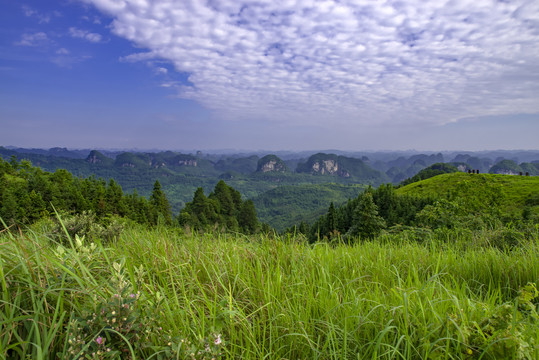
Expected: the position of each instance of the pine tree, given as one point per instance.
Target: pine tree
(366, 221)
(160, 204)
(223, 195)
(247, 217)
(332, 218)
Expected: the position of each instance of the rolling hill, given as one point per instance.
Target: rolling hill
(511, 193)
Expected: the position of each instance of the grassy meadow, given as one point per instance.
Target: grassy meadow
(512, 193)
(164, 294)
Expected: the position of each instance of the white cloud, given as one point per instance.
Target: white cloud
(35, 39)
(345, 61)
(161, 70)
(62, 51)
(42, 18)
(84, 34)
(66, 60)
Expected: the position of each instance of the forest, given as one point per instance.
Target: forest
(443, 265)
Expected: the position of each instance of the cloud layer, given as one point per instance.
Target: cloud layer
(342, 62)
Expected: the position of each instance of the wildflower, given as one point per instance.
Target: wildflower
(469, 351)
(218, 340)
(100, 340)
(132, 296)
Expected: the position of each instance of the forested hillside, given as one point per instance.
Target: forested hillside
(448, 201)
(287, 205)
(182, 174)
(28, 194)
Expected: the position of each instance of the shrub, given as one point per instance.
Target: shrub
(86, 225)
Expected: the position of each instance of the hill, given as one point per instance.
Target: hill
(431, 171)
(341, 167)
(512, 193)
(287, 205)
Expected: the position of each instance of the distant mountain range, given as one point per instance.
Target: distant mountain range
(257, 175)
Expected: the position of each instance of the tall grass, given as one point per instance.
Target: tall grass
(236, 297)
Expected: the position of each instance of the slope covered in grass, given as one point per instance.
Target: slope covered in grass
(511, 193)
(164, 295)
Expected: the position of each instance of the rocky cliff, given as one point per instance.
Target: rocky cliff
(271, 163)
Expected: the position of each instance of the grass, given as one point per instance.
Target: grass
(161, 294)
(515, 191)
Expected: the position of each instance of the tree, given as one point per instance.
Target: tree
(332, 218)
(10, 211)
(366, 221)
(223, 209)
(247, 217)
(160, 204)
(223, 195)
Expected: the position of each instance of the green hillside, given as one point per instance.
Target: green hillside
(511, 193)
(287, 205)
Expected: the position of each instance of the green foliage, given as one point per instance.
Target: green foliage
(181, 174)
(247, 219)
(366, 223)
(160, 207)
(443, 213)
(286, 205)
(501, 334)
(387, 209)
(222, 210)
(232, 296)
(86, 225)
(29, 194)
(505, 167)
(530, 168)
(433, 170)
(496, 195)
(111, 325)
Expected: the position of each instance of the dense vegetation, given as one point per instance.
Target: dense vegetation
(448, 201)
(28, 194)
(222, 210)
(442, 268)
(163, 295)
(180, 175)
(367, 214)
(506, 196)
(431, 171)
(293, 204)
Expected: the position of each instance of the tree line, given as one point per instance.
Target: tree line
(28, 194)
(368, 214)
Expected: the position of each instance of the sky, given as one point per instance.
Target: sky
(270, 74)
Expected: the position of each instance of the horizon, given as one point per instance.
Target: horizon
(257, 151)
(294, 75)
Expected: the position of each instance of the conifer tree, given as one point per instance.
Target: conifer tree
(366, 221)
(160, 204)
(247, 217)
(332, 218)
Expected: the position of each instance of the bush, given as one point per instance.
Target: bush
(86, 225)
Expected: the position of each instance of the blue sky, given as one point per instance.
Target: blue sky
(270, 75)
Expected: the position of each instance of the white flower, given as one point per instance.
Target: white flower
(218, 340)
